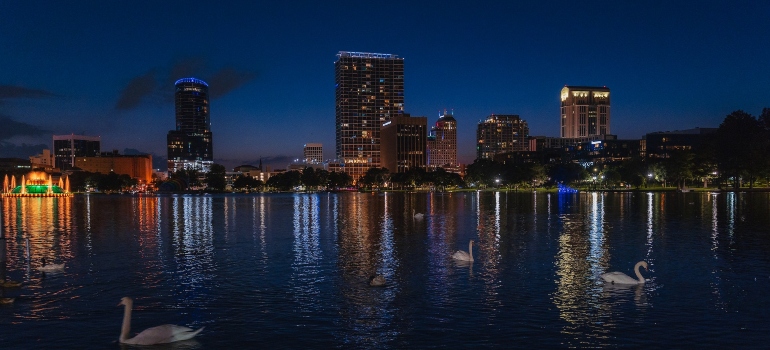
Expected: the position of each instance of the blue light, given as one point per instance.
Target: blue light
(191, 80)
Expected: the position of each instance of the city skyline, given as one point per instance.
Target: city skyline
(108, 71)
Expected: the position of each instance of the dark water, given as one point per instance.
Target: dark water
(290, 271)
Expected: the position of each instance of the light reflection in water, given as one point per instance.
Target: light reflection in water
(582, 257)
(45, 222)
(307, 252)
(193, 241)
(649, 224)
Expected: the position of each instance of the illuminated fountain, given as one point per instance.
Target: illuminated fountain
(35, 184)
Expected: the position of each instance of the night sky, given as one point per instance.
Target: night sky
(107, 68)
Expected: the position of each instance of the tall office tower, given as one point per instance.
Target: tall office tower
(585, 111)
(500, 134)
(442, 143)
(190, 144)
(67, 147)
(369, 92)
(403, 143)
(314, 153)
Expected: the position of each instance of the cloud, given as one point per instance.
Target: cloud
(228, 79)
(11, 91)
(136, 90)
(157, 84)
(13, 128)
(10, 150)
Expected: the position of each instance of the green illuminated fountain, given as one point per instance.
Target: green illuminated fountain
(35, 184)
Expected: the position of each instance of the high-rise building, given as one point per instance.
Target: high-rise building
(585, 111)
(67, 147)
(314, 153)
(403, 143)
(442, 143)
(190, 144)
(499, 134)
(369, 91)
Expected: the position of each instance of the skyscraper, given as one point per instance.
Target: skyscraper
(585, 111)
(190, 144)
(403, 143)
(442, 143)
(500, 134)
(67, 147)
(369, 91)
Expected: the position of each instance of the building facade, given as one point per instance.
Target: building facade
(190, 144)
(663, 143)
(138, 167)
(369, 91)
(442, 144)
(404, 141)
(44, 160)
(585, 111)
(67, 147)
(500, 134)
(314, 153)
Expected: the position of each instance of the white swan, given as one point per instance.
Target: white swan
(50, 267)
(622, 278)
(464, 256)
(418, 216)
(167, 333)
(377, 281)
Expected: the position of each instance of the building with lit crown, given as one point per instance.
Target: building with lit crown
(442, 143)
(67, 147)
(499, 134)
(369, 91)
(190, 144)
(403, 143)
(585, 111)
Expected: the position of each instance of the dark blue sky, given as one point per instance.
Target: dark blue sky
(107, 68)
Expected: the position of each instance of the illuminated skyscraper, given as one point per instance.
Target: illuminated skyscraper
(442, 143)
(369, 91)
(190, 145)
(585, 111)
(500, 134)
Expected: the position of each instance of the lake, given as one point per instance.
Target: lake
(291, 271)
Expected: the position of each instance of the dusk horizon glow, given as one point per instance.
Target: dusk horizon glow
(108, 70)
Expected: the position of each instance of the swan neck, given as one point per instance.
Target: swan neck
(638, 274)
(125, 330)
(470, 250)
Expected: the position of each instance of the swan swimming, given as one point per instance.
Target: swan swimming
(622, 278)
(167, 333)
(418, 216)
(50, 267)
(377, 281)
(464, 256)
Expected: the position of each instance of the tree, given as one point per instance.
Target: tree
(483, 172)
(285, 181)
(375, 177)
(215, 178)
(679, 167)
(339, 179)
(742, 144)
(186, 178)
(567, 173)
(247, 183)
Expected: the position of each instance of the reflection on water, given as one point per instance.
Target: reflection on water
(291, 270)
